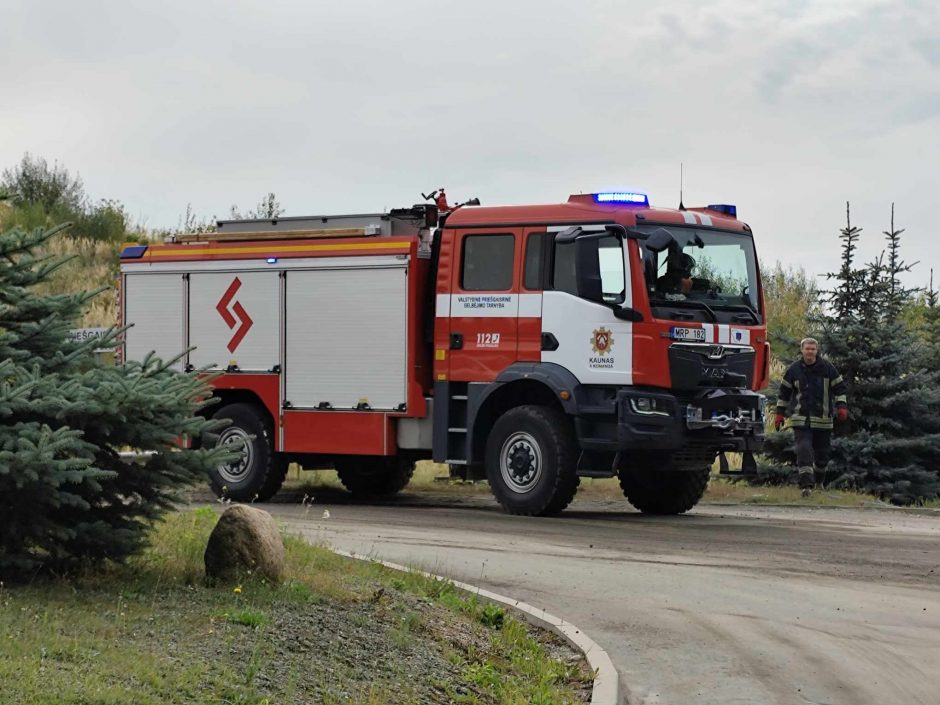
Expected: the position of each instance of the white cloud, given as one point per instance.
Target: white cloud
(787, 109)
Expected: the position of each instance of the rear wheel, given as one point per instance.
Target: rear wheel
(662, 483)
(531, 461)
(374, 475)
(257, 474)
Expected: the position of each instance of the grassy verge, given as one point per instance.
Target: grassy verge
(334, 631)
(432, 478)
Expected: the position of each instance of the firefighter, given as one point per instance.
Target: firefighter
(816, 389)
(678, 276)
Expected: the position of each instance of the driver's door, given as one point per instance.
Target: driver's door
(592, 343)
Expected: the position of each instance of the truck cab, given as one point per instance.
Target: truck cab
(640, 330)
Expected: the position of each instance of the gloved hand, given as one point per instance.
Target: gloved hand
(842, 413)
(778, 422)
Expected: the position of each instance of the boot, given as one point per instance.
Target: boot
(821, 476)
(807, 480)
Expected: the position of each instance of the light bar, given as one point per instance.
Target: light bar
(133, 251)
(725, 208)
(636, 199)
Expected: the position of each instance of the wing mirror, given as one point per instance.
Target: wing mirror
(660, 240)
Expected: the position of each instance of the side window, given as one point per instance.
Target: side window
(610, 260)
(487, 262)
(534, 261)
(564, 276)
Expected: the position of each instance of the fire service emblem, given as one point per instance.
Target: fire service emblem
(602, 341)
(240, 317)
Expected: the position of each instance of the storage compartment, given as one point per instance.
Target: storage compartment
(347, 332)
(153, 303)
(234, 319)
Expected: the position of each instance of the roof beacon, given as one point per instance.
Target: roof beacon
(636, 199)
(726, 209)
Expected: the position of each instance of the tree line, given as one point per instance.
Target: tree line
(43, 194)
(885, 340)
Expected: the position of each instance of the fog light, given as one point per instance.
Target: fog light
(644, 405)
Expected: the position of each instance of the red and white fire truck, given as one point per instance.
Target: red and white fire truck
(528, 345)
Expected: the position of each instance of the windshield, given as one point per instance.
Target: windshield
(704, 268)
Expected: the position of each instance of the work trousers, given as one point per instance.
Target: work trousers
(812, 453)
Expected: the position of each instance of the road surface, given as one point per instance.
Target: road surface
(724, 605)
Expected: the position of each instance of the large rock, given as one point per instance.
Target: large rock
(245, 540)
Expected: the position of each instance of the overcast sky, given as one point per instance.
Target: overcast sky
(787, 108)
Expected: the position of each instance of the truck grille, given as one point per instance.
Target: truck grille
(704, 365)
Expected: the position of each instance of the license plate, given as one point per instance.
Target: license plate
(696, 334)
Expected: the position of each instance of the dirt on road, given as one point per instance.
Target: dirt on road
(723, 605)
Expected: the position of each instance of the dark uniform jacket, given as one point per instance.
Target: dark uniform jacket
(813, 391)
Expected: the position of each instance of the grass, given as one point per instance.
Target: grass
(94, 265)
(432, 478)
(428, 477)
(334, 630)
(721, 491)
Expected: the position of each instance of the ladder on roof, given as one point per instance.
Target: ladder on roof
(305, 227)
(285, 234)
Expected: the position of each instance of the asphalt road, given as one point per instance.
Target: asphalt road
(724, 605)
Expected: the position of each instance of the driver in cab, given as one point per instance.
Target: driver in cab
(676, 283)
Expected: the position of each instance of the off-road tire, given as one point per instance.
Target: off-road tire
(541, 433)
(262, 476)
(373, 475)
(658, 483)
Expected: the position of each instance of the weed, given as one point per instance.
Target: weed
(484, 676)
(492, 616)
(246, 617)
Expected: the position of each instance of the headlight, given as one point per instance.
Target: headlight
(649, 406)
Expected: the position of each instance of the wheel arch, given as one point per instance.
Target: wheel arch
(224, 397)
(539, 383)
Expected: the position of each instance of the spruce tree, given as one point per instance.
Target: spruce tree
(929, 353)
(891, 446)
(67, 497)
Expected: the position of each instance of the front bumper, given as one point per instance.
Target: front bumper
(723, 419)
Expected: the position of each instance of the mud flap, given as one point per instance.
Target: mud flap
(748, 465)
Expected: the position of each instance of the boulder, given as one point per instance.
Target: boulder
(244, 541)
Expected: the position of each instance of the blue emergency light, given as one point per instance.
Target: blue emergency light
(271, 260)
(725, 208)
(133, 251)
(636, 199)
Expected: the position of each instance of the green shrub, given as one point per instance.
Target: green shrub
(66, 496)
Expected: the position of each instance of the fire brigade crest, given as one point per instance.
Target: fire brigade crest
(240, 317)
(602, 341)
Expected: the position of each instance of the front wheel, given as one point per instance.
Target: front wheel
(656, 483)
(531, 461)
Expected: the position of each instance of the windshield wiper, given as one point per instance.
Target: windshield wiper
(740, 307)
(692, 304)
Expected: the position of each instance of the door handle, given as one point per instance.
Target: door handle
(456, 341)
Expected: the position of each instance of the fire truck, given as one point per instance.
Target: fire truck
(529, 345)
